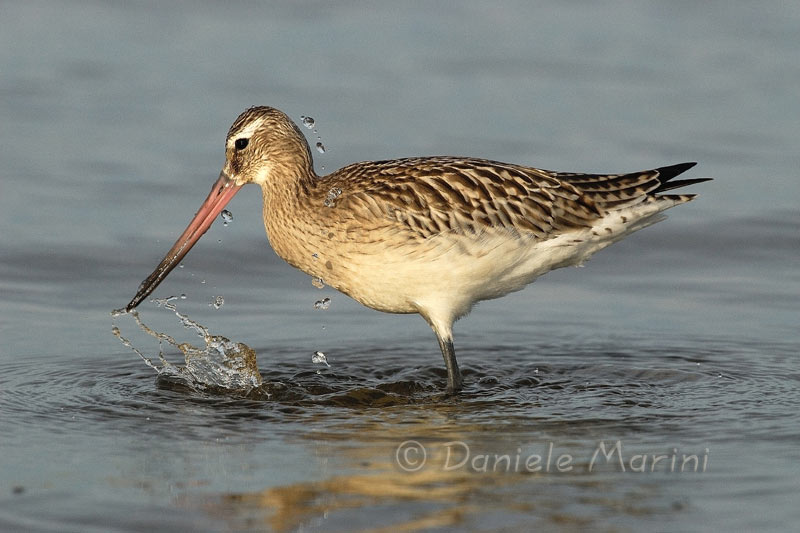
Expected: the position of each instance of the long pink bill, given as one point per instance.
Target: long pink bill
(221, 193)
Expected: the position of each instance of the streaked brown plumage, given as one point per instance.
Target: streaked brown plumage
(427, 235)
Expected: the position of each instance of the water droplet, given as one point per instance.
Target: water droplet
(320, 147)
(333, 194)
(164, 301)
(217, 302)
(219, 241)
(183, 296)
(315, 256)
(319, 358)
(180, 265)
(227, 217)
(308, 122)
(203, 282)
(323, 304)
(536, 371)
(318, 283)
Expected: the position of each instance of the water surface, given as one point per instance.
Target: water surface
(680, 340)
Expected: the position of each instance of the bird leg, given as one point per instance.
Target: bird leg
(454, 381)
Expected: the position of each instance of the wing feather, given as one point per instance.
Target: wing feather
(433, 195)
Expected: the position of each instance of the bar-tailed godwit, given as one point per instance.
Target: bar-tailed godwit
(427, 235)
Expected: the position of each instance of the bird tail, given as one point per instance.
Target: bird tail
(617, 191)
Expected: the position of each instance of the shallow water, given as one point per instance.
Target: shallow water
(681, 340)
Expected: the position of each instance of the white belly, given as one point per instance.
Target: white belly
(446, 275)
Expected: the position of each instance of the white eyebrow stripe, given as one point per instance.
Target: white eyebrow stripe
(247, 131)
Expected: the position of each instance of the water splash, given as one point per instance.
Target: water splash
(323, 304)
(217, 302)
(319, 358)
(116, 332)
(221, 364)
(333, 194)
(227, 217)
(308, 122)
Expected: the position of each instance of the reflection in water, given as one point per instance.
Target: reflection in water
(347, 425)
(368, 467)
(418, 498)
(289, 507)
(221, 364)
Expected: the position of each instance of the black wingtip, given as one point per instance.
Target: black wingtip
(665, 174)
(680, 183)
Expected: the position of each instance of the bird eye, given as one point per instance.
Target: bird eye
(241, 144)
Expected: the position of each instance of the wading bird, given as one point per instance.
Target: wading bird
(427, 235)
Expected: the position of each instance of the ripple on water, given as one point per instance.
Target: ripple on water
(632, 388)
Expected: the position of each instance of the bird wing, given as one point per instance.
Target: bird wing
(449, 194)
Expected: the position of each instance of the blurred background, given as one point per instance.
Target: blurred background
(112, 122)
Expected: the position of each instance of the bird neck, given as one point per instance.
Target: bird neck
(288, 217)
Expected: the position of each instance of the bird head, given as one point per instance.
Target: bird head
(263, 146)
